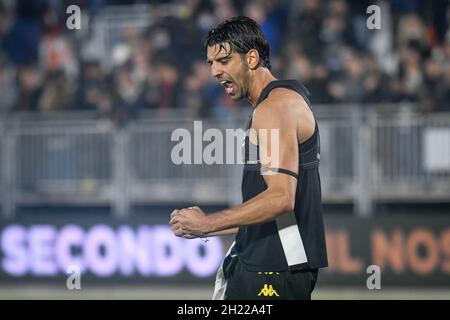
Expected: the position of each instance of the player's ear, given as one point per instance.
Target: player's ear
(252, 58)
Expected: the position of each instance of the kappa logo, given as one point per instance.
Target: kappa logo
(268, 291)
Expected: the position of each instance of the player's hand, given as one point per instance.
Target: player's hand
(189, 223)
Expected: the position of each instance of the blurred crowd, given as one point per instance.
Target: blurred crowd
(326, 45)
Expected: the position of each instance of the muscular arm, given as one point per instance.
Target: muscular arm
(225, 232)
(279, 197)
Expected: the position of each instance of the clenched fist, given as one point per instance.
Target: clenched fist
(189, 223)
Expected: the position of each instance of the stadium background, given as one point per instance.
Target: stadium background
(86, 117)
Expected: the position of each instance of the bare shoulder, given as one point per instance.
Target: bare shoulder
(283, 104)
(285, 109)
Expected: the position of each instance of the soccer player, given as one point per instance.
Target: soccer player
(280, 241)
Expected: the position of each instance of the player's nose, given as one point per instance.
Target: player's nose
(215, 71)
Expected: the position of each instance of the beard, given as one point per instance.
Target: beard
(243, 84)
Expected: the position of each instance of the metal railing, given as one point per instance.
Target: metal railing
(57, 160)
(161, 180)
(411, 157)
(366, 157)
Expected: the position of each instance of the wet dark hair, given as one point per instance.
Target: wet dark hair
(243, 34)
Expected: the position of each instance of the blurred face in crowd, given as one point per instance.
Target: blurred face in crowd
(432, 69)
(230, 69)
(28, 78)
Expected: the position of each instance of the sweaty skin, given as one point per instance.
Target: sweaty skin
(284, 110)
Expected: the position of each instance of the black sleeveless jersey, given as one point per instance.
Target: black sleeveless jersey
(294, 240)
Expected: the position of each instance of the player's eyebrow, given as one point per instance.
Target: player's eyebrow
(221, 59)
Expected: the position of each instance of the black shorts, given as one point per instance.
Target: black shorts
(243, 284)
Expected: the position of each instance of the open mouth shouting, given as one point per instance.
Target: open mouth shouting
(229, 86)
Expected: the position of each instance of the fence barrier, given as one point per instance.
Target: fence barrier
(366, 156)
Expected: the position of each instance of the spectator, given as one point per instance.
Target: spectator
(7, 87)
(325, 48)
(430, 91)
(90, 87)
(169, 85)
(29, 88)
(56, 93)
(127, 95)
(303, 32)
(409, 74)
(22, 40)
(375, 82)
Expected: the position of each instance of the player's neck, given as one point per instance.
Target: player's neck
(261, 79)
